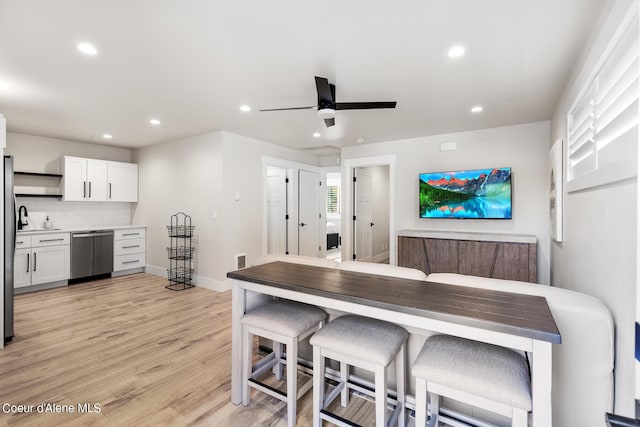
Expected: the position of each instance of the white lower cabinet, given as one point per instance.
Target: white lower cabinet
(129, 249)
(47, 259)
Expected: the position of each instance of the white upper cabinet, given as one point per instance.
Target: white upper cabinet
(74, 178)
(122, 181)
(98, 180)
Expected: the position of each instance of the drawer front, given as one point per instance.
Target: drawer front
(125, 262)
(23, 241)
(50, 239)
(129, 246)
(129, 233)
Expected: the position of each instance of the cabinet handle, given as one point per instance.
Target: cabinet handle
(132, 246)
(130, 234)
(28, 263)
(51, 240)
(89, 189)
(84, 189)
(130, 262)
(35, 261)
(109, 190)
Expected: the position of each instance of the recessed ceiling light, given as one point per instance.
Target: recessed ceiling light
(154, 122)
(107, 136)
(476, 109)
(316, 134)
(245, 108)
(4, 85)
(456, 51)
(87, 48)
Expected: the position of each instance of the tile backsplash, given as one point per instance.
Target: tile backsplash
(67, 215)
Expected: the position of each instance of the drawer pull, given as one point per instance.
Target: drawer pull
(130, 262)
(51, 240)
(130, 234)
(28, 263)
(132, 246)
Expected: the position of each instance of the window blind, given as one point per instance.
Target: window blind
(603, 121)
(333, 199)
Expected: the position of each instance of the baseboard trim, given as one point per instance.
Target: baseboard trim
(381, 256)
(199, 281)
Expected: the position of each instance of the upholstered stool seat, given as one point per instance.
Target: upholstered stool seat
(366, 343)
(484, 375)
(284, 322)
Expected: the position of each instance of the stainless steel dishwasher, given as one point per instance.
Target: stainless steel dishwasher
(91, 253)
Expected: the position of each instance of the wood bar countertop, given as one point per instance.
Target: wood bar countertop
(517, 314)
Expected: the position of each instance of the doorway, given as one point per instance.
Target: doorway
(371, 213)
(334, 215)
(277, 210)
(381, 236)
(292, 208)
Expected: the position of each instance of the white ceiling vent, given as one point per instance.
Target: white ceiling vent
(241, 261)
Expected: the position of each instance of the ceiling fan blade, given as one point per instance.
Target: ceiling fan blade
(363, 105)
(325, 94)
(290, 108)
(330, 122)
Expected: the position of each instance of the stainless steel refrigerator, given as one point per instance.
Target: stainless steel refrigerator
(9, 246)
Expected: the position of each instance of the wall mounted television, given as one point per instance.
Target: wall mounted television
(475, 194)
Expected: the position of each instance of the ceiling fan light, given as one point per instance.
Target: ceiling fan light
(327, 113)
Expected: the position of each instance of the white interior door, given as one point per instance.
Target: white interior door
(276, 210)
(308, 213)
(363, 222)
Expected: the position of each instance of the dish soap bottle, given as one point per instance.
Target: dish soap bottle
(48, 224)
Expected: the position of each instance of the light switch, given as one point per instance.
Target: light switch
(236, 196)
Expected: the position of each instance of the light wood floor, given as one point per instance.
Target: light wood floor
(147, 355)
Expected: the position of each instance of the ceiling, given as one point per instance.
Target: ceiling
(193, 63)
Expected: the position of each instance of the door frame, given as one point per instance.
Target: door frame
(292, 173)
(348, 166)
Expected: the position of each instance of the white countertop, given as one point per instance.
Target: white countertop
(469, 235)
(82, 228)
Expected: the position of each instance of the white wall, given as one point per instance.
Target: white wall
(598, 254)
(243, 174)
(524, 148)
(200, 176)
(41, 154)
(181, 176)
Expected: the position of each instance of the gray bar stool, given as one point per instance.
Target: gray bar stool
(366, 343)
(284, 322)
(483, 375)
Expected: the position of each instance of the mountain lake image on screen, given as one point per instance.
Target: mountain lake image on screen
(479, 193)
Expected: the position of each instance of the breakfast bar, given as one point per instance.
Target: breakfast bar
(517, 321)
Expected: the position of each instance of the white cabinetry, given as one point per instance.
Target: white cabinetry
(84, 179)
(98, 180)
(129, 249)
(41, 258)
(123, 182)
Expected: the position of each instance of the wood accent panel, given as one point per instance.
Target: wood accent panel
(499, 260)
(517, 314)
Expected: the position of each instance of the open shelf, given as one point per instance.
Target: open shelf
(43, 196)
(48, 175)
(37, 184)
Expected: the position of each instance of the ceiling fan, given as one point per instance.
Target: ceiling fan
(327, 104)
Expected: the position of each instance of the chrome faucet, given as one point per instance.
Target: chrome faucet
(22, 222)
